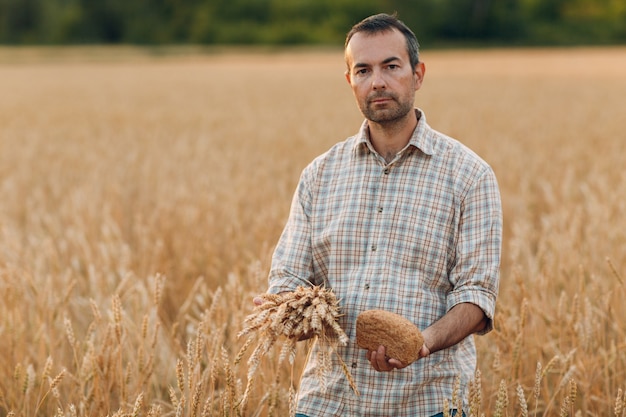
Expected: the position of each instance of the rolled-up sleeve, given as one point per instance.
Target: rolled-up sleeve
(292, 259)
(476, 272)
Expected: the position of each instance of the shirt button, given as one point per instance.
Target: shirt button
(380, 209)
(353, 365)
(386, 171)
(373, 248)
(367, 286)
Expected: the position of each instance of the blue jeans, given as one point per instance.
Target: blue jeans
(452, 412)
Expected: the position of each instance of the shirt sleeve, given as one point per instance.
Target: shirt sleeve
(475, 274)
(292, 260)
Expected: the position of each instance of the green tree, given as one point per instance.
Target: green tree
(307, 21)
(19, 20)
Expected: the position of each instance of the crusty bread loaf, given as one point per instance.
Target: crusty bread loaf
(401, 338)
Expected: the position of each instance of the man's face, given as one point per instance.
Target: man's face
(381, 76)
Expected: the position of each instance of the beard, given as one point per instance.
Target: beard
(391, 112)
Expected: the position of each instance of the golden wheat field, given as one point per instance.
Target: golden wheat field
(141, 195)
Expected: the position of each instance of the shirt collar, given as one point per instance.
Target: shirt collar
(420, 139)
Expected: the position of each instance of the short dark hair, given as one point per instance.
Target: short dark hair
(384, 22)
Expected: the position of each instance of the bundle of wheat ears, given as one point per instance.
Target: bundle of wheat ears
(310, 312)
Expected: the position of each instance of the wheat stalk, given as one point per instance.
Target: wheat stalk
(614, 271)
(138, 405)
(502, 401)
(619, 404)
(290, 317)
(53, 386)
(522, 401)
(537, 386)
(457, 397)
(475, 394)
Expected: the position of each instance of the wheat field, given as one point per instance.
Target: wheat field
(142, 194)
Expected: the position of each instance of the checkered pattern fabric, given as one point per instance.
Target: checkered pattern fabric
(415, 236)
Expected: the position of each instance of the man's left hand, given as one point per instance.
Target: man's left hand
(381, 362)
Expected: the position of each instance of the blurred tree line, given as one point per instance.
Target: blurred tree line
(156, 22)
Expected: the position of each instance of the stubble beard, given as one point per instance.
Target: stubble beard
(387, 115)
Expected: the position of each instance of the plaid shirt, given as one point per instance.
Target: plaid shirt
(416, 237)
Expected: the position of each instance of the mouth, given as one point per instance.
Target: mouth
(381, 100)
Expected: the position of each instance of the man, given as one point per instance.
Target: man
(398, 217)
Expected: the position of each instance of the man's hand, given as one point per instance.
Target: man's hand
(379, 360)
(461, 321)
(259, 301)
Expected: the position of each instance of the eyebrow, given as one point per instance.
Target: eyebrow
(385, 61)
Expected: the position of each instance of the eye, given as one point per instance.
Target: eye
(361, 71)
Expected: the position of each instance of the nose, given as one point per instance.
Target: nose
(378, 80)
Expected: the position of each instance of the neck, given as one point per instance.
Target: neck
(389, 138)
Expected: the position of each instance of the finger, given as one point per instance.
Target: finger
(372, 356)
(382, 363)
(396, 364)
(374, 361)
(257, 301)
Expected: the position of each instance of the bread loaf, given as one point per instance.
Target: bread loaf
(401, 338)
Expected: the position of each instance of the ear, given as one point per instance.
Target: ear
(348, 78)
(420, 71)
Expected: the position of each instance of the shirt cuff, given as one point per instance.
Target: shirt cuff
(479, 297)
(286, 284)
